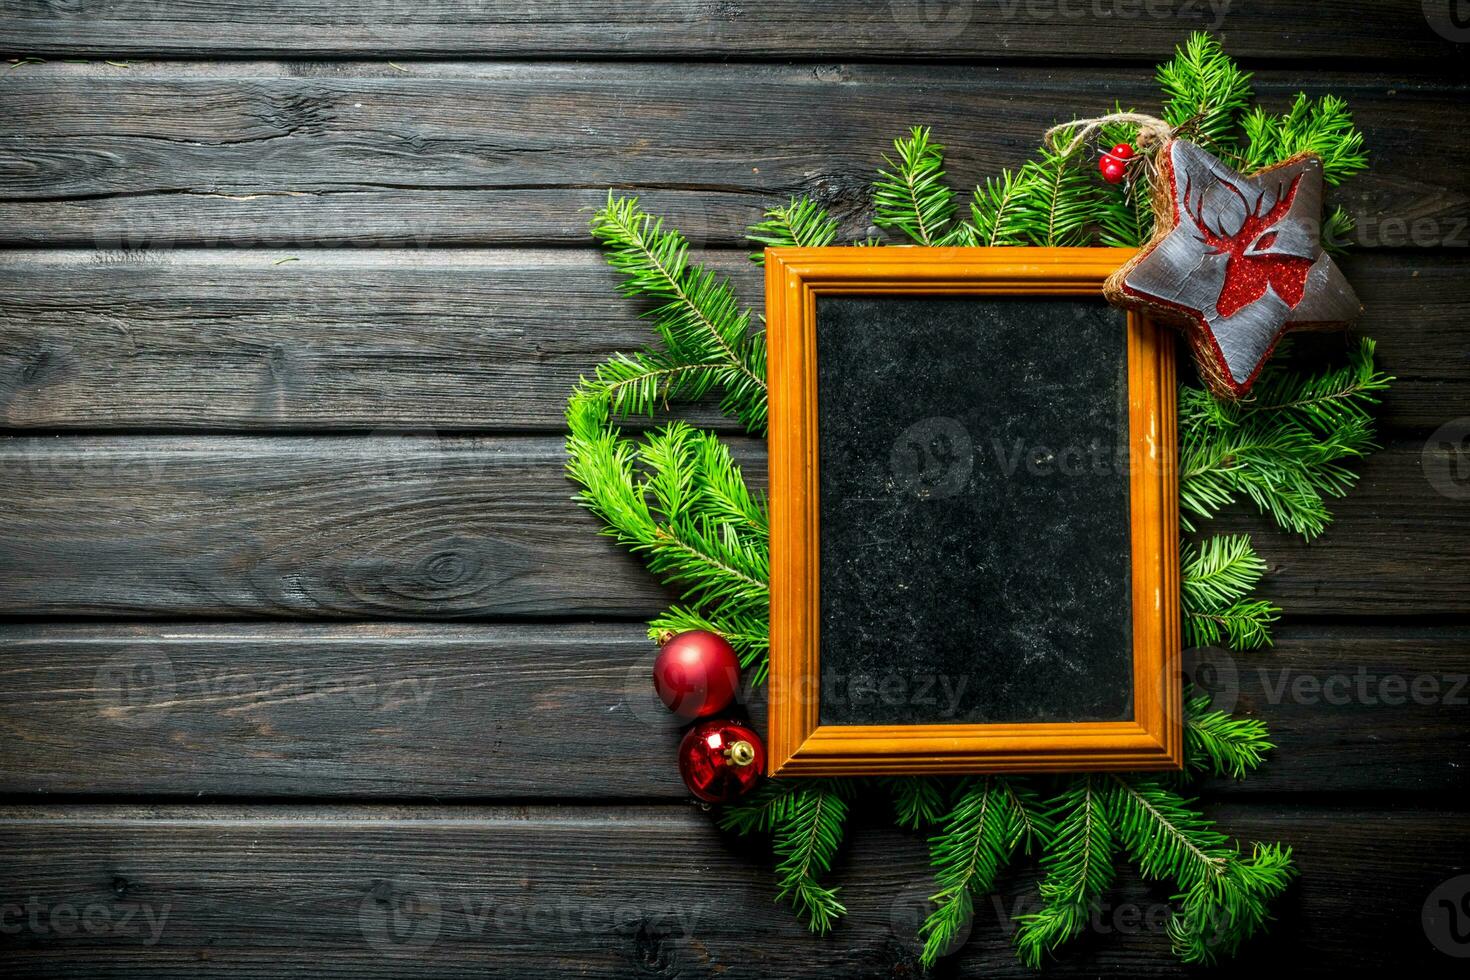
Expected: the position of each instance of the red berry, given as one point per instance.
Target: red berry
(721, 760)
(696, 674)
(1113, 164)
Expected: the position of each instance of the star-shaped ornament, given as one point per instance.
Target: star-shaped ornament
(1236, 260)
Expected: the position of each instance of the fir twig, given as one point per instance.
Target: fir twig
(1216, 916)
(1223, 897)
(808, 834)
(991, 816)
(1077, 867)
(1217, 744)
(768, 805)
(1284, 448)
(1321, 126)
(1216, 578)
(706, 335)
(917, 800)
(799, 224)
(1206, 90)
(1058, 201)
(646, 496)
(912, 197)
(996, 213)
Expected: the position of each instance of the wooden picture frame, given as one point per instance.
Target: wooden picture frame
(799, 745)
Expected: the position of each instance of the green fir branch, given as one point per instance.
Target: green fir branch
(1216, 916)
(1059, 201)
(1223, 897)
(1204, 92)
(1321, 126)
(1337, 231)
(918, 801)
(1077, 867)
(807, 836)
(698, 318)
(911, 196)
(1219, 745)
(648, 381)
(1163, 834)
(644, 494)
(1216, 578)
(990, 818)
(996, 213)
(770, 804)
(799, 224)
(1334, 400)
(1284, 449)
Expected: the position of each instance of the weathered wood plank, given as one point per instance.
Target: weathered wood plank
(1117, 30)
(472, 891)
(423, 526)
(381, 527)
(290, 154)
(457, 340)
(401, 712)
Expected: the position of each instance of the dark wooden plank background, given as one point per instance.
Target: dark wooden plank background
(299, 628)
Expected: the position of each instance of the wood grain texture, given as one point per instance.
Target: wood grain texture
(566, 712)
(289, 154)
(422, 526)
(616, 892)
(382, 527)
(463, 340)
(1296, 31)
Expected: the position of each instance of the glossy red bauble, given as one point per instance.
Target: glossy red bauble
(721, 760)
(696, 674)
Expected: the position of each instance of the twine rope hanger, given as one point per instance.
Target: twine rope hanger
(1152, 131)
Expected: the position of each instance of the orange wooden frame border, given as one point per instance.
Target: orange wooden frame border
(798, 745)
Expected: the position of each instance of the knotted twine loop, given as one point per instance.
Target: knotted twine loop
(1152, 131)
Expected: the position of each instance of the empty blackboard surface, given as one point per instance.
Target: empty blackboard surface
(974, 510)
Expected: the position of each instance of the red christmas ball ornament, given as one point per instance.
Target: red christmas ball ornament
(696, 674)
(1114, 164)
(721, 760)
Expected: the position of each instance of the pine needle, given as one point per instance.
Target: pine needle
(807, 836)
(800, 224)
(1077, 866)
(1217, 744)
(1205, 91)
(912, 197)
(1217, 575)
(990, 818)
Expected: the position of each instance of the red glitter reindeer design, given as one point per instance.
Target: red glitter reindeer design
(1255, 264)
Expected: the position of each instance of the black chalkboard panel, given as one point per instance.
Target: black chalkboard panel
(974, 513)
